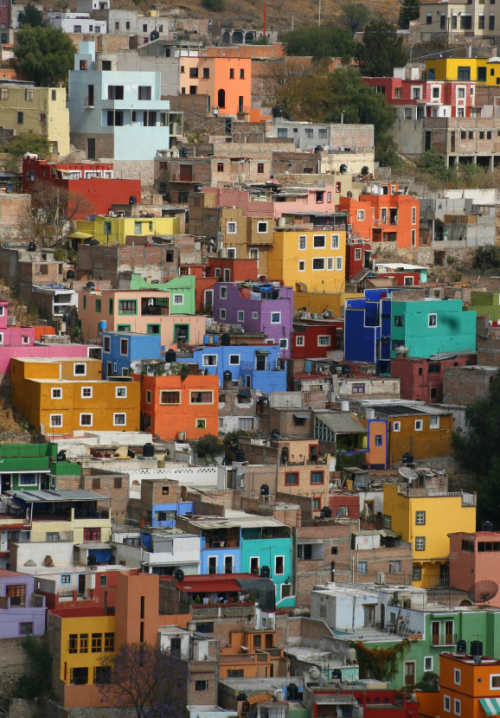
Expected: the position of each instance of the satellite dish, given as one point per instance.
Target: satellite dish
(483, 591)
(409, 474)
(314, 673)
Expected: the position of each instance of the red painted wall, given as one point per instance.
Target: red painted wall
(310, 349)
(419, 378)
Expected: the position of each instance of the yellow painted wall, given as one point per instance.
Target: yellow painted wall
(123, 227)
(49, 102)
(40, 529)
(447, 69)
(285, 257)
(81, 626)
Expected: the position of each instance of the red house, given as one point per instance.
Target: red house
(344, 505)
(313, 339)
(357, 256)
(218, 269)
(422, 379)
(87, 188)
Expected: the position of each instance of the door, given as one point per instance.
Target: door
(254, 565)
(91, 148)
(228, 564)
(81, 584)
(240, 104)
(427, 145)
(409, 673)
(260, 362)
(449, 632)
(369, 614)
(435, 633)
(212, 564)
(90, 98)
(208, 299)
(181, 333)
(221, 99)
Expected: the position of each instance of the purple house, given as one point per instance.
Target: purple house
(21, 614)
(257, 307)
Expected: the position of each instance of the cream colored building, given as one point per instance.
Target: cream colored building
(455, 21)
(27, 109)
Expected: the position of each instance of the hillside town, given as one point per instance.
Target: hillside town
(249, 361)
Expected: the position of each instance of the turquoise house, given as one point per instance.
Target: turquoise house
(269, 548)
(422, 328)
(178, 287)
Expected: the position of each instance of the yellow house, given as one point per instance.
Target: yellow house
(40, 110)
(115, 230)
(425, 521)
(310, 260)
(60, 396)
(464, 69)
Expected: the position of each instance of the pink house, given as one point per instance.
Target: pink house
(475, 565)
(314, 200)
(440, 98)
(21, 342)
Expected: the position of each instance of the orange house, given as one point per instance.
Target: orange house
(173, 408)
(226, 80)
(384, 214)
(469, 686)
(252, 654)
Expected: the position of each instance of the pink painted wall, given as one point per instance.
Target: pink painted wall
(4, 309)
(237, 198)
(38, 351)
(468, 568)
(309, 203)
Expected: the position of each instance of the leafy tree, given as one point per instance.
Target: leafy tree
(44, 54)
(325, 41)
(150, 681)
(486, 258)
(52, 208)
(36, 681)
(31, 16)
(381, 50)
(478, 451)
(354, 16)
(20, 144)
(214, 5)
(208, 446)
(433, 163)
(410, 10)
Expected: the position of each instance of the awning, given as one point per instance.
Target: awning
(80, 235)
(301, 416)
(490, 706)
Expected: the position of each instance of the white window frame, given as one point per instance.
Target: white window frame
(302, 266)
(255, 315)
(223, 293)
(222, 314)
(262, 231)
(203, 363)
(434, 421)
(233, 363)
(419, 424)
(25, 339)
(121, 388)
(302, 240)
(330, 265)
(231, 227)
(176, 299)
(457, 706)
(240, 315)
(272, 320)
(340, 264)
(414, 215)
(428, 660)
(335, 241)
(360, 215)
(319, 236)
(79, 363)
(231, 253)
(51, 423)
(283, 343)
(447, 704)
(250, 564)
(86, 413)
(396, 426)
(323, 336)
(457, 676)
(492, 687)
(90, 389)
(429, 325)
(119, 413)
(56, 389)
(357, 254)
(169, 403)
(201, 418)
(302, 341)
(282, 573)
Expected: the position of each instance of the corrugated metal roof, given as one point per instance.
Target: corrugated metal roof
(38, 496)
(340, 422)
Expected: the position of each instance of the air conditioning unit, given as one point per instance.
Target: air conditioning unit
(380, 578)
(181, 436)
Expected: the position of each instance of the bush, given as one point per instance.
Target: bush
(208, 446)
(486, 258)
(214, 5)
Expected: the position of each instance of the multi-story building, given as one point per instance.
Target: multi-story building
(474, 565)
(425, 379)
(118, 355)
(367, 329)
(38, 110)
(117, 115)
(116, 230)
(265, 308)
(424, 518)
(21, 613)
(76, 22)
(59, 396)
(227, 81)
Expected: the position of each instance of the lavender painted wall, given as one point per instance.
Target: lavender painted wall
(12, 616)
(260, 313)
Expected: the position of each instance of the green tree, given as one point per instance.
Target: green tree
(44, 55)
(214, 5)
(409, 10)
(486, 258)
(35, 683)
(31, 16)
(325, 41)
(354, 16)
(381, 50)
(20, 144)
(208, 447)
(478, 451)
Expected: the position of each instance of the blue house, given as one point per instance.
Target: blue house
(122, 348)
(367, 329)
(257, 367)
(165, 515)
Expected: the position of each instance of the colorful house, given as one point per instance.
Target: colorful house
(424, 519)
(32, 466)
(182, 286)
(61, 396)
(475, 565)
(226, 80)
(422, 379)
(115, 230)
(120, 349)
(254, 366)
(216, 269)
(314, 338)
(480, 70)
(265, 308)
(142, 312)
(173, 407)
(367, 329)
(20, 614)
(310, 259)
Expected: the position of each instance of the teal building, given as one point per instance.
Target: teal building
(268, 551)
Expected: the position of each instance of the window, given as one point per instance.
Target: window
(56, 420)
(319, 241)
(428, 664)
(120, 392)
(457, 706)
(170, 397)
(419, 543)
(318, 263)
(446, 703)
(316, 477)
(302, 266)
(119, 419)
(231, 254)
(335, 241)
(56, 393)
(360, 214)
(434, 422)
(115, 92)
(220, 166)
(396, 426)
(414, 215)
(262, 227)
(109, 641)
(231, 227)
(201, 685)
(234, 359)
(292, 478)
(416, 574)
(399, 320)
(463, 74)
(26, 628)
(340, 263)
(127, 306)
(299, 340)
(394, 566)
(66, 578)
(457, 676)
(279, 565)
(84, 642)
(240, 316)
(96, 642)
(419, 424)
(73, 643)
(362, 567)
(222, 313)
(201, 397)
(79, 369)
(302, 241)
(275, 317)
(107, 344)
(420, 518)
(324, 340)
(86, 419)
(178, 299)
(20, 118)
(358, 388)
(379, 440)
(86, 392)
(495, 681)
(200, 423)
(209, 360)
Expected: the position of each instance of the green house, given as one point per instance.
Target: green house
(182, 291)
(486, 304)
(32, 466)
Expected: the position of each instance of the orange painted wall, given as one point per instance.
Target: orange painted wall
(377, 455)
(224, 73)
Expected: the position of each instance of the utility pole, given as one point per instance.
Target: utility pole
(319, 13)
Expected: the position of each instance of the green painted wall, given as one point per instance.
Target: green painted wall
(184, 285)
(486, 303)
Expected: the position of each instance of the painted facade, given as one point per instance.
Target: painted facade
(475, 564)
(116, 230)
(119, 349)
(20, 614)
(367, 329)
(226, 80)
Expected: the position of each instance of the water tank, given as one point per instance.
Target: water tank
(70, 274)
(31, 247)
(148, 451)
(179, 574)
(277, 111)
(90, 286)
(170, 356)
(102, 325)
(265, 572)
(476, 648)
(292, 692)
(225, 340)
(344, 406)
(326, 512)
(461, 647)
